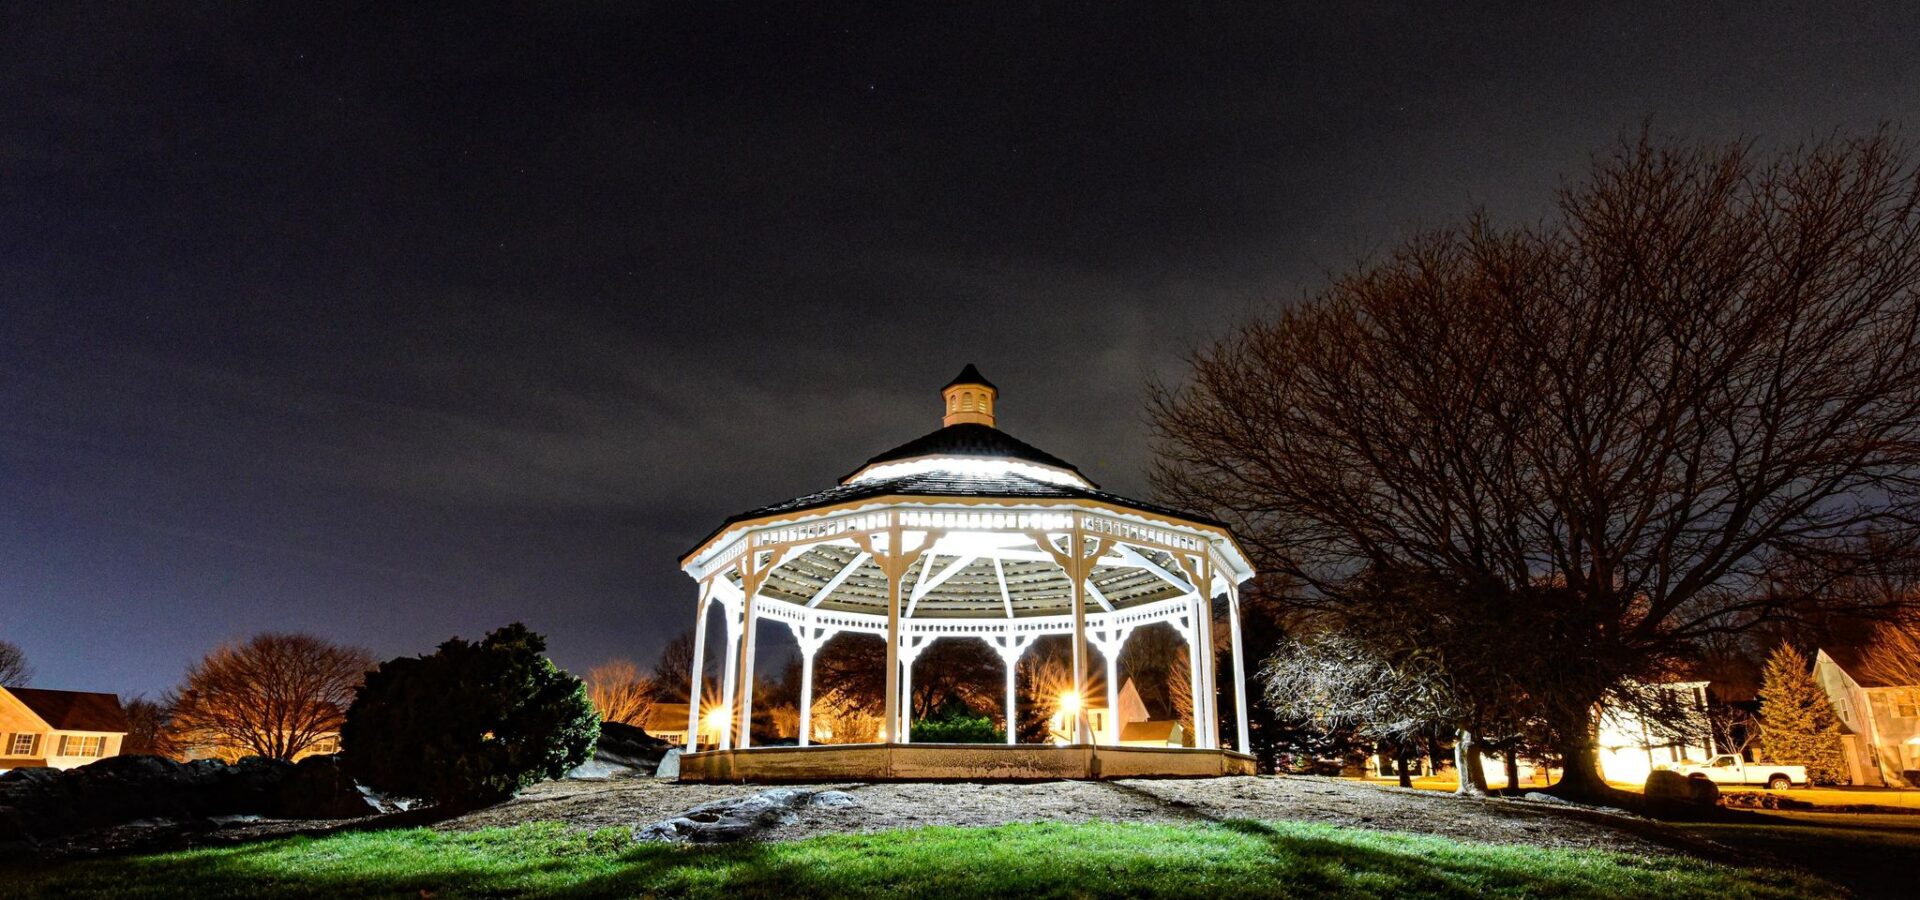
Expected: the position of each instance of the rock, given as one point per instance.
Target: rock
(1539, 797)
(50, 804)
(622, 751)
(741, 818)
(319, 788)
(833, 800)
(625, 745)
(669, 764)
(1673, 795)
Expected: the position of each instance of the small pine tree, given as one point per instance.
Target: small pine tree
(1797, 723)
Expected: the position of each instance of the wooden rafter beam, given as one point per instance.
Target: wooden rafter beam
(838, 578)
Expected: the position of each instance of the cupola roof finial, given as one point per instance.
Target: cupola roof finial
(968, 399)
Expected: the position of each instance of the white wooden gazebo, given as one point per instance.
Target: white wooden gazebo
(965, 533)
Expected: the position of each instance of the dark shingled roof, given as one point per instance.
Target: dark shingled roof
(971, 439)
(970, 375)
(951, 484)
(74, 710)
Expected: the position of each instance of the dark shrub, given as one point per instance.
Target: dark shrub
(954, 723)
(471, 723)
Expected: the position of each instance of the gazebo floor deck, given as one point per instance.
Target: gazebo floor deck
(957, 762)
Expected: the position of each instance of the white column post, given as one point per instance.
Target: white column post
(1195, 681)
(890, 563)
(751, 577)
(699, 664)
(1239, 669)
(731, 678)
(906, 691)
(1208, 678)
(747, 654)
(1116, 641)
(1011, 658)
(811, 638)
(1082, 729)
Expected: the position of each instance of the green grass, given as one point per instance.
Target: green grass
(1235, 859)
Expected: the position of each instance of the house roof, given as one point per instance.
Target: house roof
(1150, 730)
(74, 710)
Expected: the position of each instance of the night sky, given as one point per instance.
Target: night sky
(392, 327)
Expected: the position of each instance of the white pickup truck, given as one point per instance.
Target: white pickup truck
(1729, 769)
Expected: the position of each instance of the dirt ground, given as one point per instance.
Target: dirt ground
(634, 802)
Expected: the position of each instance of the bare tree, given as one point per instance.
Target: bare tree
(149, 729)
(673, 671)
(1893, 656)
(273, 695)
(620, 693)
(15, 671)
(1703, 372)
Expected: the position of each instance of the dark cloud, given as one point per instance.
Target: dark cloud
(393, 325)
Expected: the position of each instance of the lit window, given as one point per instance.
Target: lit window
(23, 745)
(76, 745)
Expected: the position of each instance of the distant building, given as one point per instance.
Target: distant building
(668, 722)
(1631, 747)
(1881, 721)
(1135, 728)
(58, 729)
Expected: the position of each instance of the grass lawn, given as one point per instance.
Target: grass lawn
(1871, 855)
(1234, 859)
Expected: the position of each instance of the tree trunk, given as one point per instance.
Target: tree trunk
(1580, 778)
(1513, 767)
(1466, 763)
(1433, 754)
(1402, 761)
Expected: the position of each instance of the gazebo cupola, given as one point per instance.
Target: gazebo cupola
(969, 399)
(965, 533)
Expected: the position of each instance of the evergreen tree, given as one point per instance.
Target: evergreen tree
(470, 723)
(1797, 723)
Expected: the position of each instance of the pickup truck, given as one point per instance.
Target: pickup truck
(1729, 769)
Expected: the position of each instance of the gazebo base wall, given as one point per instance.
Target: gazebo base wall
(957, 762)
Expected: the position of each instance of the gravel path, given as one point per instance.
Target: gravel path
(635, 802)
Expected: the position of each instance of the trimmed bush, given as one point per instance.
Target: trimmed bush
(470, 723)
(954, 723)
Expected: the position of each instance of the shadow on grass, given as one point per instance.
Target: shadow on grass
(1233, 859)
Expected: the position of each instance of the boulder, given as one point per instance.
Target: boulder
(669, 766)
(38, 805)
(319, 788)
(1673, 795)
(622, 751)
(742, 818)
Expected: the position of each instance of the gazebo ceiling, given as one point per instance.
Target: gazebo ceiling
(961, 585)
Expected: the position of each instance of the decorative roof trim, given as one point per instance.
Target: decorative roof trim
(1226, 547)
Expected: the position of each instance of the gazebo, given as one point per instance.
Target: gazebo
(964, 534)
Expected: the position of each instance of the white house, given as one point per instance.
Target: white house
(58, 729)
(1136, 729)
(1881, 720)
(1632, 747)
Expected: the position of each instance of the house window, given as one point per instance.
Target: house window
(76, 745)
(23, 745)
